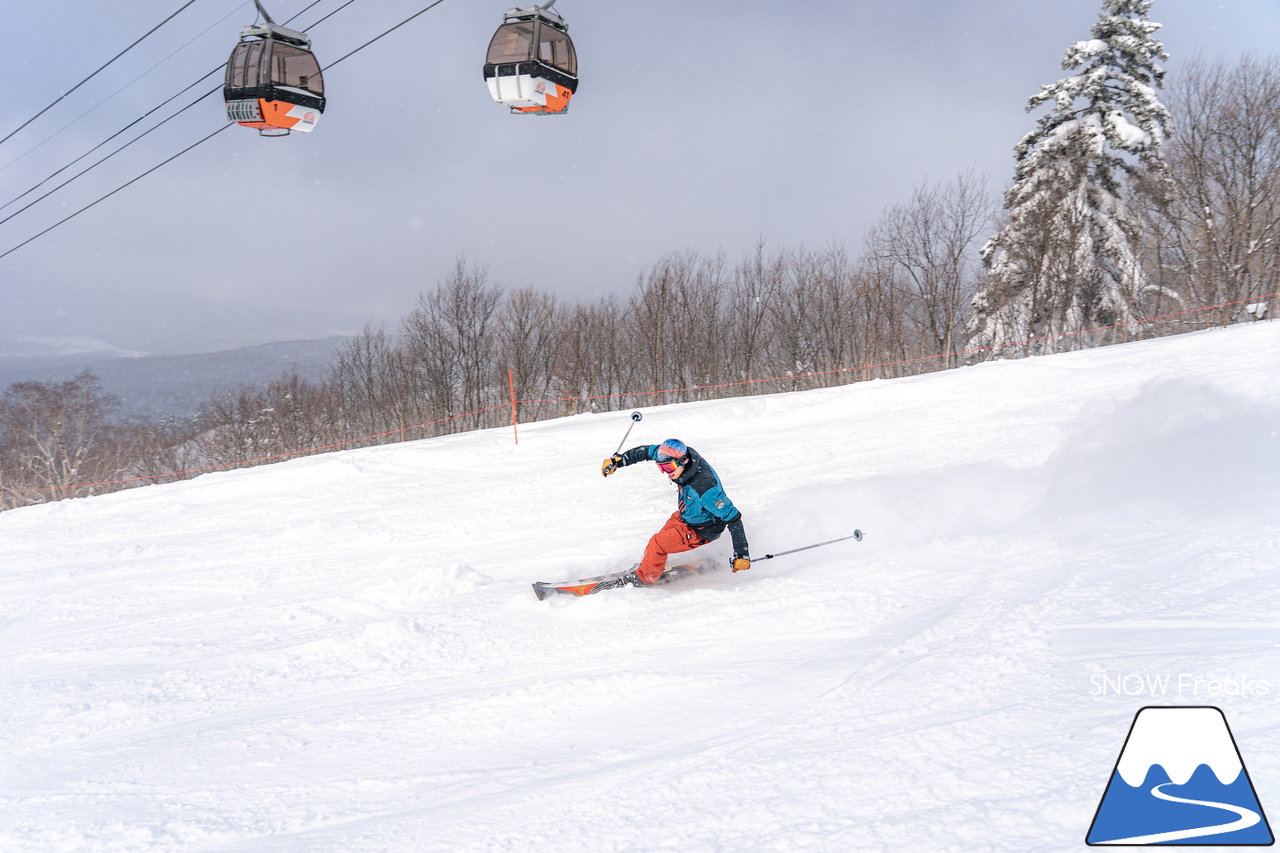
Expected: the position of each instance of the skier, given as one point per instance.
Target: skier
(704, 509)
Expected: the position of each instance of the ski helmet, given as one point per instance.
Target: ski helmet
(672, 450)
(672, 456)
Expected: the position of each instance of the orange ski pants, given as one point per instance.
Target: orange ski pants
(674, 537)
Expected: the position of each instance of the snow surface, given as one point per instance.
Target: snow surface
(343, 653)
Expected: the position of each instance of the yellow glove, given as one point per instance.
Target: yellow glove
(740, 564)
(610, 465)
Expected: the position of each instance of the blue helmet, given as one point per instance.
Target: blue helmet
(672, 450)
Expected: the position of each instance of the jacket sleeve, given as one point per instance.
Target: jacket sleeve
(639, 454)
(719, 505)
(739, 535)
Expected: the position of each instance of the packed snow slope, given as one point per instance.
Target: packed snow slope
(343, 652)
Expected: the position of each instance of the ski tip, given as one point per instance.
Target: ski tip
(542, 591)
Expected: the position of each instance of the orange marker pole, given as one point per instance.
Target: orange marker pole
(511, 384)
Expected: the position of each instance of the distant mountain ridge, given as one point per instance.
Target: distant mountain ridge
(158, 386)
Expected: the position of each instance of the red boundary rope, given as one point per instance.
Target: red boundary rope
(278, 456)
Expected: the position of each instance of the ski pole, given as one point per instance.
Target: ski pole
(857, 534)
(635, 418)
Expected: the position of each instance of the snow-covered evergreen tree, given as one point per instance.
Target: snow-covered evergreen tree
(1065, 259)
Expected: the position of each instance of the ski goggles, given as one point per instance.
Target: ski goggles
(668, 467)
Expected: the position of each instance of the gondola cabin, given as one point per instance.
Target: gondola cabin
(273, 81)
(531, 65)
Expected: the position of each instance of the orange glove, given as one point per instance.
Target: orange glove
(610, 465)
(740, 563)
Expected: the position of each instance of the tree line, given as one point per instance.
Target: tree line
(698, 325)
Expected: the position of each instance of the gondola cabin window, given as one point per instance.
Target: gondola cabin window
(556, 50)
(296, 69)
(511, 43)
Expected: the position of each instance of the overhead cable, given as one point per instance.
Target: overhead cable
(140, 118)
(114, 191)
(95, 73)
(99, 162)
(74, 121)
(201, 141)
(388, 32)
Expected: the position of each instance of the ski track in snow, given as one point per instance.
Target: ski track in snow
(343, 653)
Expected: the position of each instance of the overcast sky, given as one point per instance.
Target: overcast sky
(698, 124)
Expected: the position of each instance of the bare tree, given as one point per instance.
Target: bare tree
(828, 279)
(796, 310)
(528, 324)
(371, 382)
(55, 436)
(580, 366)
(252, 424)
(651, 315)
(1220, 233)
(160, 451)
(747, 330)
(932, 242)
(595, 359)
(879, 294)
(450, 344)
(674, 318)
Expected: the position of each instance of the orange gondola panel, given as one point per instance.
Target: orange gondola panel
(531, 65)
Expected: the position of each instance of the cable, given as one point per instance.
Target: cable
(54, 174)
(109, 156)
(94, 74)
(114, 191)
(189, 147)
(322, 20)
(131, 124)
(102, 143)
(388, 32)
(74, 121)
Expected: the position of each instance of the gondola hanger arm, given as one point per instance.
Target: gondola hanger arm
(271, 29)
(266, 17)
(543, 12)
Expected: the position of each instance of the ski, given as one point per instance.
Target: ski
(590, 586)
(586, 586)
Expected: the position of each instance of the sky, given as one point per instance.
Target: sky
(705, 126)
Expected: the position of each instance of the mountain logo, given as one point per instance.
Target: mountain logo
(1180, 780)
